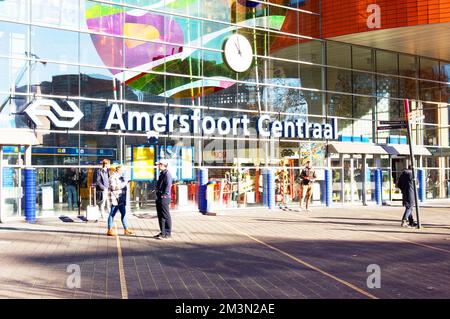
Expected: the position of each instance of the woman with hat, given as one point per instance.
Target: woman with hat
(118, 200)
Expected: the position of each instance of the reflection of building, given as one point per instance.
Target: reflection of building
(330, 59)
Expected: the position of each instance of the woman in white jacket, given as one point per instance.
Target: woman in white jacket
(118, 200)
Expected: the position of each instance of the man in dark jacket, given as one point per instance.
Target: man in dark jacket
(71, 184)
(163, 193)
(406, 184)
(102, 188)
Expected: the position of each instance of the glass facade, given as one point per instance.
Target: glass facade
(161, 56)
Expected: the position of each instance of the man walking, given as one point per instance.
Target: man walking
(71, 184)
(102, 186)
(163, 187)
(307, 178)
(406, 184)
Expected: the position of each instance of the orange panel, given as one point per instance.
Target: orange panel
(342, 17)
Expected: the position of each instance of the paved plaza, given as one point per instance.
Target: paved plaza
(340, 252)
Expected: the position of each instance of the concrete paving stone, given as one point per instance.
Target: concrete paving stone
(242, 254)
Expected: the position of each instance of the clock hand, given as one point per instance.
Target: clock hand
(238, 48)
(239, 45)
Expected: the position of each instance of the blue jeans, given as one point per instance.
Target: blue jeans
(72, 196)
(123, 211)
(408, 215)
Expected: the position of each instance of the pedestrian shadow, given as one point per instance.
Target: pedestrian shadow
(414, 231)
(49, 231)
(310, 221)
(358, 218)
(145, 216)
(66, 219)
(288, 209)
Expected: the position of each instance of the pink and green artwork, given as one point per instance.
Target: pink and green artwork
(137, 44)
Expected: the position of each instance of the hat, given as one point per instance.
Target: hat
(163, 162)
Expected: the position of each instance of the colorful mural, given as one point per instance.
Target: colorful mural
(172, 43)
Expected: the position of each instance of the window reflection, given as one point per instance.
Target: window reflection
(62, 48)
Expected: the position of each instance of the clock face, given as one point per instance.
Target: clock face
(238, 53)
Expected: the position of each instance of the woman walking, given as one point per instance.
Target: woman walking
(118, 199)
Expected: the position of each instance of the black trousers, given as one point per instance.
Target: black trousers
(165, 221)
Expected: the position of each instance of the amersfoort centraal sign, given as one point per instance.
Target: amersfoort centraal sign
(194, 123)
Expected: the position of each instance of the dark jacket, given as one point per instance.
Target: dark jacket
(306, 176)
(406, 185)
(164, 185)
(102, 180)
(70, 178)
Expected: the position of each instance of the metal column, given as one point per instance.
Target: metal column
(328, 188)
(341, 161)
(352, 179)
(363, 180)
(27, 155)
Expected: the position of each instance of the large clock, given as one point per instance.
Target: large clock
(238, 53)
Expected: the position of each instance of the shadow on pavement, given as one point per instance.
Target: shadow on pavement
(66, 219)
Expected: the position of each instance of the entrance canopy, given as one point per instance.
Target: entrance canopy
(356, 148)
(403, 149)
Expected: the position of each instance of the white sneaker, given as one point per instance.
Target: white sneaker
(308, 210)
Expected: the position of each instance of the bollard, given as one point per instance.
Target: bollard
(270, 188)
(378, 187)
(202, 190)
(422, 186)
(328, 188)
(264, 194)
(30, 195)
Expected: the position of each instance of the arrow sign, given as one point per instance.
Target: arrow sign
(391, 127)
(398, 122)
(35, 109)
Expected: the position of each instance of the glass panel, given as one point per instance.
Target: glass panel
(309, 25)
(363, 83)
(12, 191)
(64, 13)
(429, 91)
(62, 48)
(429, 69)
(55, 79)
(339, 80)
(340, 105)
(236, 187)
(98, 83)
(16, 10)
(386, 184)
(230, 97)
(387, 62)
(407, 65)
(430, 135)
(13, 39)
(430, 111)
(337, 185)
(387, 86)
(432, 180)
(339, 54)
(310, 51)
(408, 88)
(14, 75)
(362, 58)
(106, 19)
(311, 76)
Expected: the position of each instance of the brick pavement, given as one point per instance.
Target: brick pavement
(237, 254)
